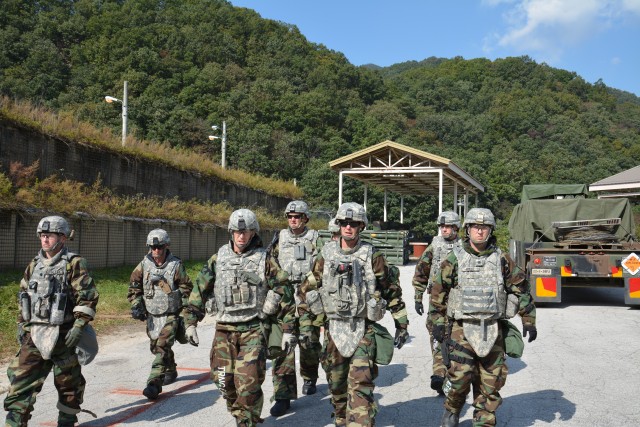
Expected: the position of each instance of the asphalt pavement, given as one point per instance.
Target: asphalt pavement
(583, 370)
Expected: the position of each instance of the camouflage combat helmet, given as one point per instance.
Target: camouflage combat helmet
(158, 237)
(480, 216)
(333, 226)
(243, 219)
(297, 206)
(351, 211)
(53, 224)
(449, 218)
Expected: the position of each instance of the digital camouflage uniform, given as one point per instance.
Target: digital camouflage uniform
(28, 371)
(489, 372)
(238, 356)
(427, 269)
(284, 366)
(351, 376)
(161, 328)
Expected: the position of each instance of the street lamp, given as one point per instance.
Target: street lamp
(111, 99)
(224, 142)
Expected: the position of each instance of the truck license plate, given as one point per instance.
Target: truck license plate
(541, 271)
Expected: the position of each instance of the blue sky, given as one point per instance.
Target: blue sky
(597, 39)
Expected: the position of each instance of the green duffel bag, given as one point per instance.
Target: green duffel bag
(513, 343)
(384, 344)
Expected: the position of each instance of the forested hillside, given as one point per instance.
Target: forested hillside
(291, 105)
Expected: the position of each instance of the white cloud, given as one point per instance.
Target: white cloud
(548, 27)
(616, 60)
(631, 6)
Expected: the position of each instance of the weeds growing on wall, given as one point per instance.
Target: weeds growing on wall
(66, 127)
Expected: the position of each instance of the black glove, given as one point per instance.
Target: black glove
(419, 308)
(401, 337)
(138, 312)
(531, 329)
(438, 333)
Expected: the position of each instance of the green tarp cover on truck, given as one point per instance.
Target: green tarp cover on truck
(551, 191)
(533, 218)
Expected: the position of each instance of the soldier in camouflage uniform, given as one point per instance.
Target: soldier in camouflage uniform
(243, 286)
(477, 287)
(159, 290)
(295, 249)
(334, 229)
(352, 284)
(427, 269)
(57, 300)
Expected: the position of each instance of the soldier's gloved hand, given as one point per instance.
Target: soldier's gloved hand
(419, 308)
(20, 333)
(73, 336)
(192, 335)
(402, 334)
(138, 312)
(288, 342)
(531, 329)
(438, 333)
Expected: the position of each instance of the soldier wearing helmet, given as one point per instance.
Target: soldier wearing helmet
(334, 229)
(427, 269)
(295, 248)
(243, 286)
(477, 289)
(159, 290)
(353, 286)
(58, 299)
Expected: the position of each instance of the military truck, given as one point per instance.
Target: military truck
(561, 238)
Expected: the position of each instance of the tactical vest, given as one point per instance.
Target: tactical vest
(348, 280)
(480, 292)
(49, 292)
(161, 295)
(241, 286)
(441, 247)
(296, 253)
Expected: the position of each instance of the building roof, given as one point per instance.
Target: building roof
(405, 170)
(625, 183)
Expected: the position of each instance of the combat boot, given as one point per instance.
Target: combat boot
(66, 420)
(170, 377)
(280, 407)
(450, 419)
(309, 387)
(152, 391)
(436, 383)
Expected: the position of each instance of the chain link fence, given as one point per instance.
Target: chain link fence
(108, 241)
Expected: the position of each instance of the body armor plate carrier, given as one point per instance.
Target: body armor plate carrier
(48, 301)
(440, 249)
(348, 284)
(240, 288)
(296, 253)
(479, 299)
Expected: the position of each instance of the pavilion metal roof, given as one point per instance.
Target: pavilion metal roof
(405, 170)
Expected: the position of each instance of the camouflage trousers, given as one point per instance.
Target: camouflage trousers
(164, 360)
(438, 367)
(284, 368)
(351, 380)
(238, 363)
(487, 374)
(27, 373)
